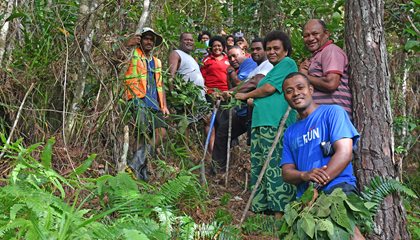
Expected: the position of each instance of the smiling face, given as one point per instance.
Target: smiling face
(230, 41)
(275, 51)
(298, 93)
(236, 57)
(147, 42)
(205, 38)
(187, 42)
(217, 48)
(315, 35)
(257, 52)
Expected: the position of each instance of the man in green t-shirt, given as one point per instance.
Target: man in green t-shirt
(273, 194)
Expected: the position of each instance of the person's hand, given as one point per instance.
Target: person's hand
(250, 102)
(216, 95)
(318, 175)
(240, 96)
(304, 66)
(165, 111)
(133, 41)
(226, 95)
(229, 71)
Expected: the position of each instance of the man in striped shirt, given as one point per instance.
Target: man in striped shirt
(327, 69)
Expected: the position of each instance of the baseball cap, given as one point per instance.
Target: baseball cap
(158, 38)
(239, 36)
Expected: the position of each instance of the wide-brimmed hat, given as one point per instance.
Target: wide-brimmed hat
(158, 38)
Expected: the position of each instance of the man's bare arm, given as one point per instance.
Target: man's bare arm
(263, 91)
(293, 176)
(174, 62)
(327, 84)
(249, 85)
(343, 153)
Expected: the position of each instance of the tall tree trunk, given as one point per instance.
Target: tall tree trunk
(372, 110)
(85, 31)
(6, 8)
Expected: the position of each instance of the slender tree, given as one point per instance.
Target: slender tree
(6, 8)
(372, 109)
(85, 32)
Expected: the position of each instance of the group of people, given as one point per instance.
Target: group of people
(319, 138)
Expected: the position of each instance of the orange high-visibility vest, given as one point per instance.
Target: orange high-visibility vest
(136, 77)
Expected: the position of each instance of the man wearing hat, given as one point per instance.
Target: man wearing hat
(145, 92)
(241, 42)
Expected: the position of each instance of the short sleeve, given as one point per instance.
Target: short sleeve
(341, 126)
(286, 157)
(246, 68)
(279, 73)
(333, 60)
(266, 68)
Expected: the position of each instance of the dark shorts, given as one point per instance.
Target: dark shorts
(346, 187)
(147, 119)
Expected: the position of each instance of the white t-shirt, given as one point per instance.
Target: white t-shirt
(263, 69)
(190, 70)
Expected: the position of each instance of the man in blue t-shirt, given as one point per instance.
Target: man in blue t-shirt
(317, 148)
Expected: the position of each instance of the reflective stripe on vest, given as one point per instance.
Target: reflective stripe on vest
(136, 77)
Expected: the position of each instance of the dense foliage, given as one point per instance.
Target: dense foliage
(39, 203)
(76, 60)
(335, 216)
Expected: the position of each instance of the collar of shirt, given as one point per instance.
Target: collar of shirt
(321, 48)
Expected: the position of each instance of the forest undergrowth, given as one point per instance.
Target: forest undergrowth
(62, 120)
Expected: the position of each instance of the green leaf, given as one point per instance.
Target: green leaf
(290, 236)
(339, 233)
(325, 225)
(85, 165)
(308, 194)
(411, 44)
(15, 15)
(46, 154)
(338, 195)
(284, 228)
(183, 124)
(322, 207)
(290, 215)
(15, 209)
(308, 224)
(134, 235)
(370, 205)
(355, 203)
(300, 234)
(339, 215)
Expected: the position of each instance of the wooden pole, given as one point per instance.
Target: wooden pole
(228, 147)
(16, 120)
(267, 161)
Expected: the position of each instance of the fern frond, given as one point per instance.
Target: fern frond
(173, 189)
(147, 226)
(20, 223)
(381, 187)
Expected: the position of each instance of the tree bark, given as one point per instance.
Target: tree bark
(6, 8)
(86, 31)
(372, 109)
(144, 16)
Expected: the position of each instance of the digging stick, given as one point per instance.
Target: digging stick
(267, 161)
(16, 120)
(228, 147)
(206, 144)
